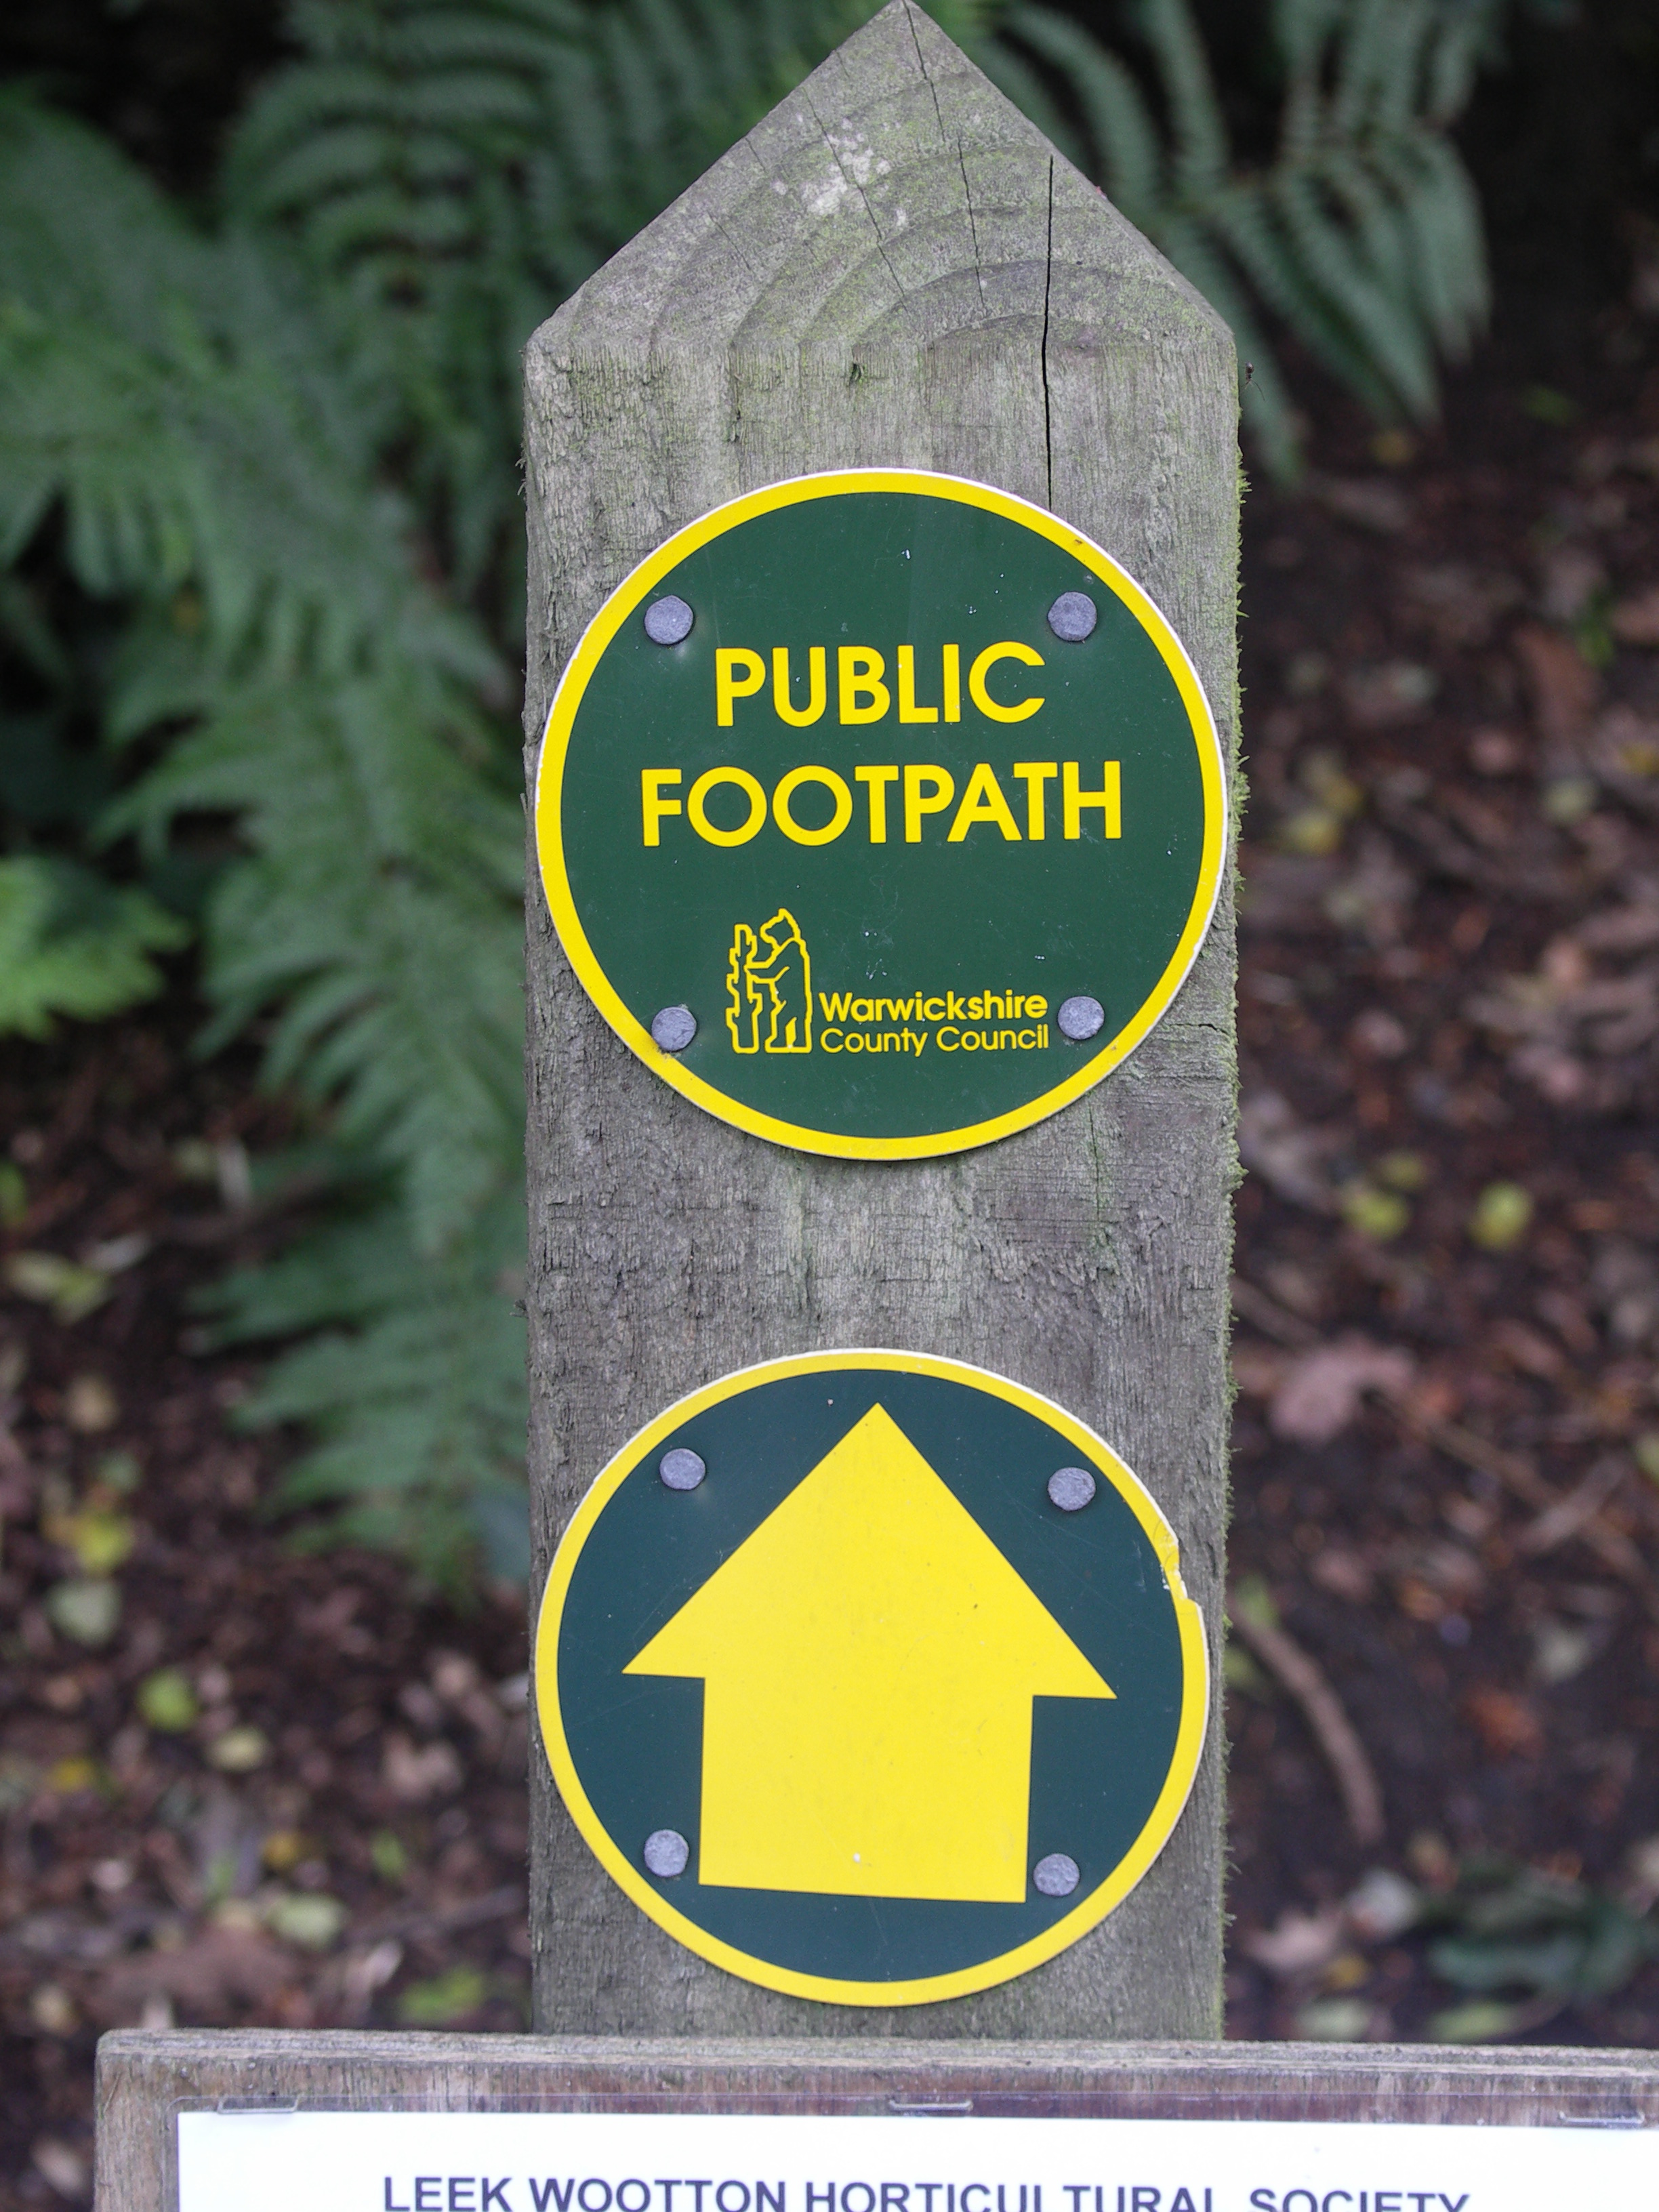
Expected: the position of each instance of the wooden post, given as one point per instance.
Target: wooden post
(893, 269)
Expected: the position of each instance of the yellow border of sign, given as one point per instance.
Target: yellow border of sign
(560, 720)
(1094, 1908)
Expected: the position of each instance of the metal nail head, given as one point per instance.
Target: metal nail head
(1054, 1877)
(674, 1027)
(1078, 1018)
(681, 1469)
(668, 621)
(668, 1854)
(1071, 1488)
(1072, 618)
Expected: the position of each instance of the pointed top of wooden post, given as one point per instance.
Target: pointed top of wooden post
(893, 197)
(894, 269)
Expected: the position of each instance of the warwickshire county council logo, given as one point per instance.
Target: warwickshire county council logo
(923, 728)
(769, 1007)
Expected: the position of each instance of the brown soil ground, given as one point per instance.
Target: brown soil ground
(1447, 1435)
(139, 1865)
(1448, 1430)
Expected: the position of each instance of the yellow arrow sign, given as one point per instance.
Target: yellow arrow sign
(869, 1660)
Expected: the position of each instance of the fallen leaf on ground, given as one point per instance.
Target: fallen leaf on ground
(48, 1280)
(1284, 1151)
(167, 1701)
(312, 1921)
(1501, 1217)
(238, 1750)
(221, 1968)
(1380, 1035)
(1300, 1943)
(1565, 687)
(447, 1998)
(1398, 691)
(433, 1771)
(1635, 621)
(86, 1611)
(1384, 1905)
(1559, 1651)
(89, 1405)
(1375, 896)
(1320, 1391)
(1506, 1724)
(1256, 1369)
(1626, 743)
(1343, 1572)
(1334, 2019)
(63, 2168)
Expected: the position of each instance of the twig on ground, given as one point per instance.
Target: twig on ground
(1580, 1506)
(233, 1221)
(1349, 1762)
(1253, 1305)
(470, 1912)
(1520, 1476)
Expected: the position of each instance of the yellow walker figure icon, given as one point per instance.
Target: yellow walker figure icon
(774, 988)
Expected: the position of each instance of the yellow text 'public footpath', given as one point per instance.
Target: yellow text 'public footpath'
(924, 788)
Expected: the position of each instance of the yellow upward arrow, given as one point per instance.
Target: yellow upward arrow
(869, 1660)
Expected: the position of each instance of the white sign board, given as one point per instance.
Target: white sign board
(681, 2162)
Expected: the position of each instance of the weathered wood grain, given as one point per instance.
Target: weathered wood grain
(894, 268)
(145, 2079)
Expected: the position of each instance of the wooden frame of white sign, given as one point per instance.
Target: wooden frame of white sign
(146, 2079)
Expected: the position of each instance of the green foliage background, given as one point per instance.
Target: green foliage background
(261, 570)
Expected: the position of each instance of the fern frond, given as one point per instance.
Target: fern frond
(378, 911)
(1446, 246)
(335, 691)
(1201, 151)
(185, 449)
(407, 1376)
(1266, 403)
(70, 944)
(1363, 235)
(1246, 224)
(453, 172)
(1129, 152)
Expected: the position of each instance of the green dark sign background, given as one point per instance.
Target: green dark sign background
(1057, 918)
(1097, 1766)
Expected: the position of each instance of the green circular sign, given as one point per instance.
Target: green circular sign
(871, 1677)
(881, 813)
